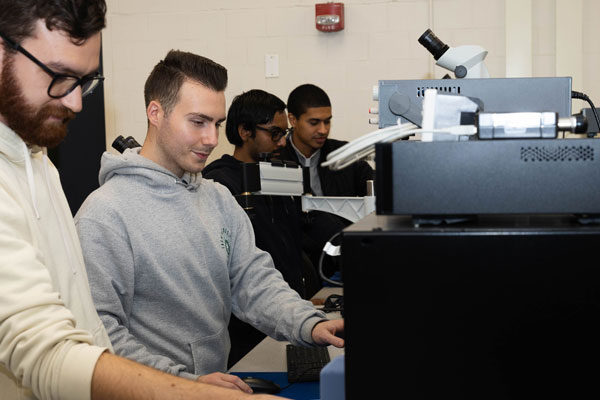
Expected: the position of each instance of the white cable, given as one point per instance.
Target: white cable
(359, 149)
(368, 140)
(365, 138)
(364, 146)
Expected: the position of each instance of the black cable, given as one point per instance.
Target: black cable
(333, 303)
(320, 266)
(583, 96)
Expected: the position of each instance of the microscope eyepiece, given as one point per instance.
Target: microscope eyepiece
(434, 45)
(121, 143)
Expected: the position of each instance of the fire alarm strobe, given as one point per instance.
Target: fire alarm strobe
(329, 17)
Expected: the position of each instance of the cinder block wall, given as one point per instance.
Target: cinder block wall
(379, 42)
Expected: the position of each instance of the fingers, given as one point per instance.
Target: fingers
(225, 380)
(331, 339)
(325, 333)
(336, 341)
(238, 382)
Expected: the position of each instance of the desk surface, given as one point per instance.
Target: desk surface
(269, 354)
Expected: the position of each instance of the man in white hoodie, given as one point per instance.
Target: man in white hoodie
(52, 343)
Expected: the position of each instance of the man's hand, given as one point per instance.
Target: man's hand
(325, 332)
(225, 380)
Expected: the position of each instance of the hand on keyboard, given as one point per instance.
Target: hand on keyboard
(328, 332)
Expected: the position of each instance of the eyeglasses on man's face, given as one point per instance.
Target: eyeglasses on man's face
(61, 84)
(275, 132)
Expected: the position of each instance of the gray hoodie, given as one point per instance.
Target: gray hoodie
(169, 259)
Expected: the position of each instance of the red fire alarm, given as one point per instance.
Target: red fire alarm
(329, 16)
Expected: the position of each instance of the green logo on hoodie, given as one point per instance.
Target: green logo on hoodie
(225, 240)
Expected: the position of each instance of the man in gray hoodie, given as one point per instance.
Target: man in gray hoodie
(171, 255)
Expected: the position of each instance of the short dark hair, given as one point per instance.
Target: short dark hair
(306, 96)
(80, 19)
(168, 76)
(250, 109)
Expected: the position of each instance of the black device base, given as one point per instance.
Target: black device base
(498, 308)
(444, 179)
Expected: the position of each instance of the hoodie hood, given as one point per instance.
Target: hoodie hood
(12, 146)
(132, 164)
(18, 152)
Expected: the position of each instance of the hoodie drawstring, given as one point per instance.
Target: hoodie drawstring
(32, 192)
(30, 181)
(63, 229)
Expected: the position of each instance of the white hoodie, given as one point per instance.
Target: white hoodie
(50, 334)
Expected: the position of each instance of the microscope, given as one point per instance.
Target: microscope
(464, 61)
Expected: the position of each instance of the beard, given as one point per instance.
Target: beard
(45, 126)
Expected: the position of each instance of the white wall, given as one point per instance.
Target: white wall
(379, 42)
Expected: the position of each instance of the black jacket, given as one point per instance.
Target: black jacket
(276, 221)
(277, 228)
(319, 227)
(348, 182)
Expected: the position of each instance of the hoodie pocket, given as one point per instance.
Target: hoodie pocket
(210, 353)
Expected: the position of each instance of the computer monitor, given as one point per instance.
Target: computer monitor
(494, 308)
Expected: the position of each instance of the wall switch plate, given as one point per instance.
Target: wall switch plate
(271, 65)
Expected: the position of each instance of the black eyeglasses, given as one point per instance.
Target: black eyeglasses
(276, 133)
(61, 84)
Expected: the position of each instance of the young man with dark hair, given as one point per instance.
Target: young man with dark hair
(309, 112)
(171, 255)
(257, 123)
(52, 343)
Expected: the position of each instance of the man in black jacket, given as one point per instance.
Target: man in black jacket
(257, 123)
(309, 112)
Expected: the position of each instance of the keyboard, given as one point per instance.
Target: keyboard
(304, 364)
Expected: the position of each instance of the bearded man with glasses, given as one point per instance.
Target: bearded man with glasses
(53, 345)
(257, 124)
(42, 116)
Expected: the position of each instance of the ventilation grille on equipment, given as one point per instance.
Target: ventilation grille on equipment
(442, 89)
(557, 154)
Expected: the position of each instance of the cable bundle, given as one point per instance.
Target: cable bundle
(364, 146)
